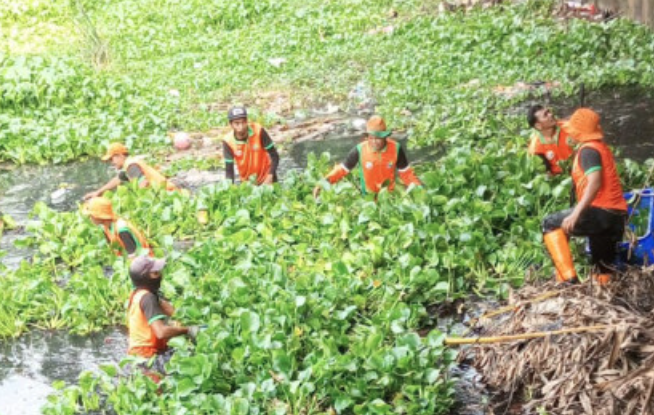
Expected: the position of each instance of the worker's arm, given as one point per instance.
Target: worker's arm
(591, 164)
(269, 146)
(341, 170)
(156, 316)
(112, 184)
(165, 332)
(228, 156)
(166, 307)
(404, 170)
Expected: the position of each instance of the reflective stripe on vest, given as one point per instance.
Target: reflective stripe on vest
(610, 194)
(142, 340)
(377, 167)
(249, 156)
(553, 152)
(153, 176)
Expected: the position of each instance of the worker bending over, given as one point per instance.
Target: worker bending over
(121, 235)
(130, 169)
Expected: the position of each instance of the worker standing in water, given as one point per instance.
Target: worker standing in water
(250, 148)
(379, 158)
(147, 317)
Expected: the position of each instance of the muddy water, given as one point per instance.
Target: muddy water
(29, 365)
(59, 186)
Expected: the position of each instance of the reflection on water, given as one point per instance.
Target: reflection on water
(29, 365)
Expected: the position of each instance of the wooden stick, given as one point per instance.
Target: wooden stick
(526, 336)
(516, 306)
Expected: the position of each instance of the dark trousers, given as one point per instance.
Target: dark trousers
(604, 229)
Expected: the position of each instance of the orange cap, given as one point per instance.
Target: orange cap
(377, 126)
(100, 208)
(584, 125)
(114, 149)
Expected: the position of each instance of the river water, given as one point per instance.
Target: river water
(29, 365)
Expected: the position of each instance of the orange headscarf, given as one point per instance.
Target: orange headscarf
(584, 125)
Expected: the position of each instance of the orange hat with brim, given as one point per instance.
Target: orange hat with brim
(584, 125)
(100, 208)
(377, 126)
(114, 149)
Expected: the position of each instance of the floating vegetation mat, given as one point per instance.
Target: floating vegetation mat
(607, 367)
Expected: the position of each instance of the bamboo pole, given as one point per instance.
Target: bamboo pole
(517, 306)
(450, 341)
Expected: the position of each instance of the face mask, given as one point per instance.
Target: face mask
(150, 284)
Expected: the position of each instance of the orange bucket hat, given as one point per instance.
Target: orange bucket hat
(377, 126)
(100, 208)
(584, 125)
(114, 149)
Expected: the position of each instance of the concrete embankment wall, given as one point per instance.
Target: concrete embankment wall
(639, 10)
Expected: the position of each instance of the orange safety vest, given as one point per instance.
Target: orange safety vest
(112, 233)
(142, 340)
(610, 193)
(377, 167)
(250, 156)
(151, 174)
(554, 151)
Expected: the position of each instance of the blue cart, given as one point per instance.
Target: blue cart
(639, 250)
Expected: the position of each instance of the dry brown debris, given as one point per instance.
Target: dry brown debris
(603, 372)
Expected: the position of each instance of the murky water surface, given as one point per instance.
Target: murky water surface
(29, 365)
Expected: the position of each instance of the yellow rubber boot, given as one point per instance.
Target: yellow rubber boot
(559, 249)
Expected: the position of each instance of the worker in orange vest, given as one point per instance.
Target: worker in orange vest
(121, 235)
(601, 209)
(549, 141)
(147, 315)
(379, 159)
(250, 148)
(129, 169)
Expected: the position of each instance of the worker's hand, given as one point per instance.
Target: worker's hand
(316, 191)
(569, 223)
(269, 179)
(91, 195)
(144, 183)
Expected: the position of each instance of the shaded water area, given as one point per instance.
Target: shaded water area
(29, 365)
